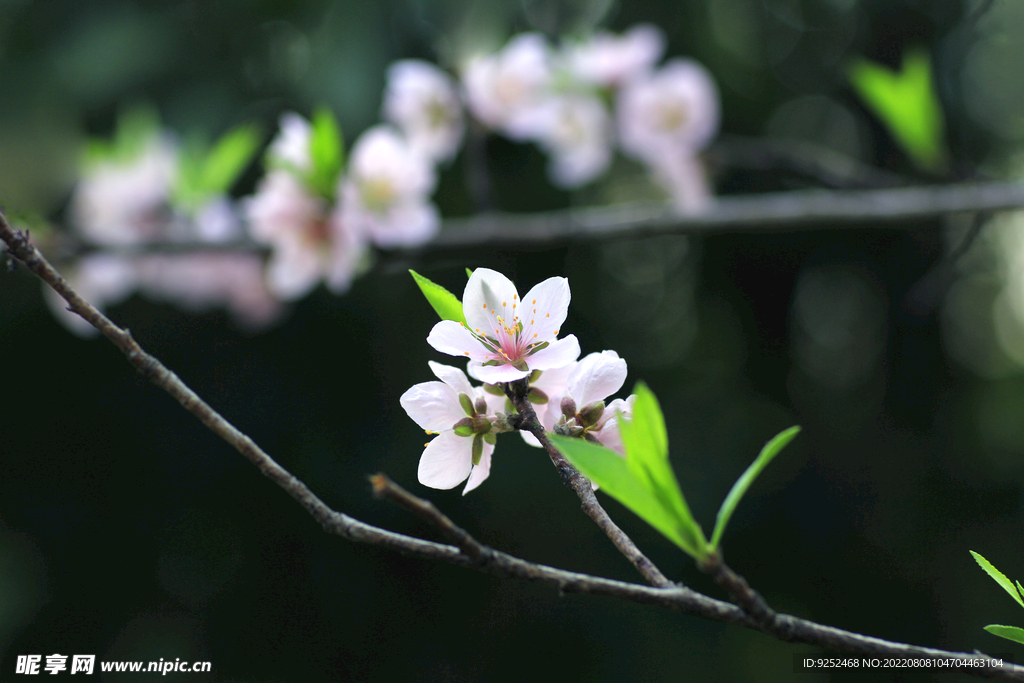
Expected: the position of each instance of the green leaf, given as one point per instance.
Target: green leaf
(611, 472)
(469, 273)
(444, 302)
(907, 104)
(770, 450)
(327, 151)
(998, 577)
(228, 158)
(645, 440)
(1014, 633)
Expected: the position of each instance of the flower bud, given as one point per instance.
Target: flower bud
(568, 407)
(464, 427)
(481, 406)
(591, 413)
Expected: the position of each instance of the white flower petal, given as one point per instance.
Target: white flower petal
(434, 406)
(492, 374)
(558, 354)
(596, 377)
(530, 439)
(544, 309)
(452, 338)
(447, 461)
(453, 377)
(481, 471)
(487, 291)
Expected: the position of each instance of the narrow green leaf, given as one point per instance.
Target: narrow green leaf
(767, 454)
(1014, 633)
(609, 470)
(327, 151)
(469, 273)
(444, 302)
(906, 102)
(228, 158)
(998, 577)
(645, 441)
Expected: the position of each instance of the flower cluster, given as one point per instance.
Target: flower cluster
(319, 216)
(663, 117)
(508, 339)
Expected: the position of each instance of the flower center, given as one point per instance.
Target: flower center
(378, 194)
(506, 340)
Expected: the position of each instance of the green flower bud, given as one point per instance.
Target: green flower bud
(464, 427)
(591, 413)
(537, 396)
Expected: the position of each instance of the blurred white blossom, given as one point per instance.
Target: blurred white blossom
(101, 279)
(506, 91)
(423, 102)
(385, 193)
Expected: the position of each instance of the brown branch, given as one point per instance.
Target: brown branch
(676, 598)
(571, 477)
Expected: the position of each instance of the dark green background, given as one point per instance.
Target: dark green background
(129, 531)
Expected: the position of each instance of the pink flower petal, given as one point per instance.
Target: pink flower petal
(493, 374)
(596, 377)
(558, 354)
(447, 461)
(488, 294)
(453, 377)
(544, 309)
(452, 338)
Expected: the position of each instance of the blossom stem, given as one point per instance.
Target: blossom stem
(517, 392)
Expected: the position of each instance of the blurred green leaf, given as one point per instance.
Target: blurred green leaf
(1014, 633)
(228, 158)
(611, 472)
(136, 126)
(767, 454)
(998, 577)
(906, 102)
(327, 151)
(444, 302)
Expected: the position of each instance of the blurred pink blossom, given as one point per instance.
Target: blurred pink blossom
(292, 147)
(201, 281)
(665, 118)
(505, 90)
(385, 193)
(607, 59)
(423, 102)
(126, 202)
(576, 130)
(309, 244)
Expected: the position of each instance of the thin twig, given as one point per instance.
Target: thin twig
(677, 598)
(383, 487)
(571, 477)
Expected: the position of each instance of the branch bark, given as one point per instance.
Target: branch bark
(470, 553)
